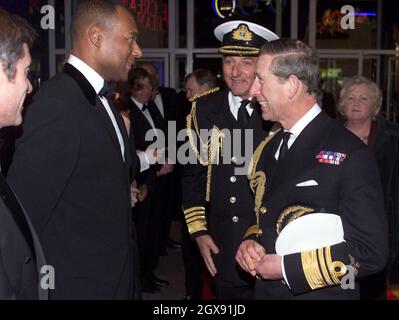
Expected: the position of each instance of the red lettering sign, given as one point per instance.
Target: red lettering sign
(151, 15)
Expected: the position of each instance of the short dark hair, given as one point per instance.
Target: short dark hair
(14, 33)
(92, 12)
(134, 75)
(294, 57)
(203, 76)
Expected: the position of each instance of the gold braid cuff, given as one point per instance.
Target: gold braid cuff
(319, 269)
(195, 219)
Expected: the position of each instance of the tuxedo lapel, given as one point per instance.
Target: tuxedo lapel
(103, 116)
(122, 129)
(94, 100)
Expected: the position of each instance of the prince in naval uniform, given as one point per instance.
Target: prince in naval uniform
(312, 164)
(216, 198)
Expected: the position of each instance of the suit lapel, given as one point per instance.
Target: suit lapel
(301, 155)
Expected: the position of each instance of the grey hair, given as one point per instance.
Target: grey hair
(294, 57)
(14, 33)
(375, 90)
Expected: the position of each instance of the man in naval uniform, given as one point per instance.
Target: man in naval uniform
(216, 197)
(311, 165)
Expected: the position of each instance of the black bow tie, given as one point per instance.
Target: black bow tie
(145, 107)
(107, 90)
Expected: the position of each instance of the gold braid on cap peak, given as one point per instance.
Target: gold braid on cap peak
(236, 51)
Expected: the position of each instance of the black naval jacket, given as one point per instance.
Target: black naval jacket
(350, 189)
(228, 213)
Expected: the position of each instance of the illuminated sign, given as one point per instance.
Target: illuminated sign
(330, 73)
(224, 8)
(151, 15)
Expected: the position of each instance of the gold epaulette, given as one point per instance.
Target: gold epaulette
(203, 94)
(257, 183)
(195, 219)
(319, 269)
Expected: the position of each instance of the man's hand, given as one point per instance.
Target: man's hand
(269, 267)
(166, 168)
(152, 155)
(248, 254)
(133, 193)
(143, 191)
(207, 247)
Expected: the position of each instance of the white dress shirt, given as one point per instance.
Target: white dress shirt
(97, 82)
(299, 126)
(144, 161)
(235, 103)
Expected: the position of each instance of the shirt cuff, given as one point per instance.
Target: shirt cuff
(144, 162)
(284, 275)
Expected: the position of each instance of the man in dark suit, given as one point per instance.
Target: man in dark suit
(165, 101)
(146, 120)
(21, 255)
(216, 197)
(72, 165)
(312, 165)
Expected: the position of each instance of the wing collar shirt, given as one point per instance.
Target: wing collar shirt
(97, 82)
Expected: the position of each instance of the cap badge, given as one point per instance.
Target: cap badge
(242, 33)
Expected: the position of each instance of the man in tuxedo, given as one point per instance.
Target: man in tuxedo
(165, 101)
(148, 127)
(217, 200)
(72, 167)
(311, 165)
(21, 255)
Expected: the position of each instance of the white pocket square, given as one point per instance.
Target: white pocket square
(307, 183)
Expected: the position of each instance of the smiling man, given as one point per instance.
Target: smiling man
(72, 165)
(21, 256)
(313, 170)
(216, 193)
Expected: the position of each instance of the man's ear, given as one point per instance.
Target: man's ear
(294, 85)
(96, 35)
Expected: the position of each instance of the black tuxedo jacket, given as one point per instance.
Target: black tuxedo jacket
(69, 172)
(21, 255)
(350, 189)
(228, 213)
